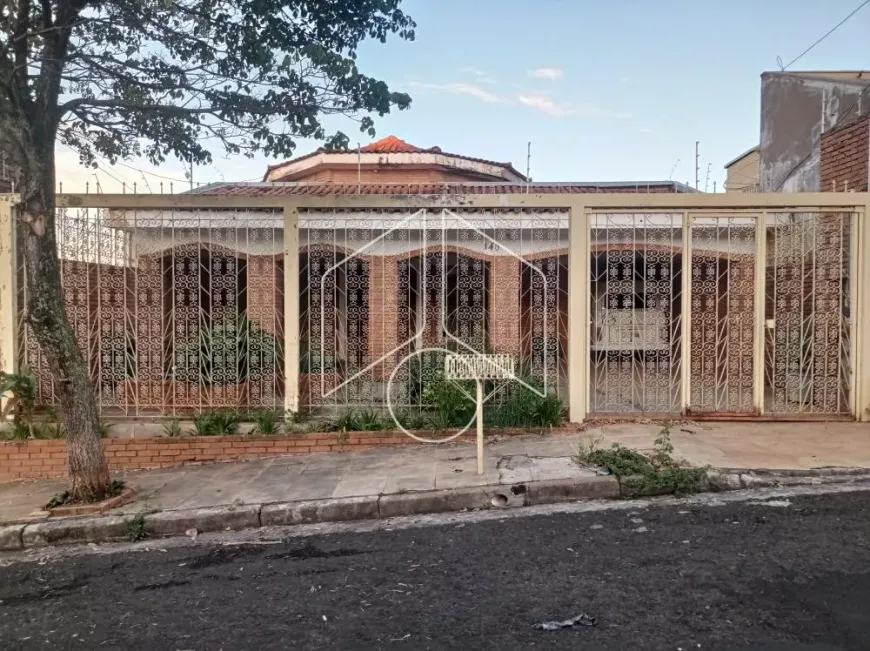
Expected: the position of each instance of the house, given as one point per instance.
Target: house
(156, 295)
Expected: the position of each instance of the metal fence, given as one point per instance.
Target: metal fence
(737, 305)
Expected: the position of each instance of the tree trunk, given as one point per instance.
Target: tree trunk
(47, 317)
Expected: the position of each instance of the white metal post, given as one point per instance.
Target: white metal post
(291, 309)
(578, 313)
(760, 298)
(8, 303)
(479, 427)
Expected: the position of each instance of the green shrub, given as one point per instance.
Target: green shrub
(172, 428)
(347, 421)
(410, 419)
(266, 421)
(244, 350)
(216, 423)
(453, 402)
(50, 431)
(369, 420)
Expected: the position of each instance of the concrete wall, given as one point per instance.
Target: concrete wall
(796, 108)
(744, 174)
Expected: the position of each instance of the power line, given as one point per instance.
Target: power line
(831, 31)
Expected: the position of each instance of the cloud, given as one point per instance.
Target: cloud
(547, 73)
(480, 75)
(645, 130)
(461, 88)
(547, 105)
(624, 80)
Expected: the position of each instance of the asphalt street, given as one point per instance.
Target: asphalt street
(785, 574)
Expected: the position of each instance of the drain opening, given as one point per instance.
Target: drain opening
(499, 500)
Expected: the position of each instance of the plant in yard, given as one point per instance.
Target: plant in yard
(550, 411)
(298, 417)
(172, 428)
(17, 431)
(347, 421)
(369, 420)
(410, 419)
(452, 401)
(215, 423)
(440, 421)
(267, 421)
(244, 350)
(121, 79)
(50, 431)
(19, 389)
(342, 437)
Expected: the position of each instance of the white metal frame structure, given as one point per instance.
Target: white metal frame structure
(808, 250)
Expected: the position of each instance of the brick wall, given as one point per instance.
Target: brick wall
(36, 459)
(383, 312)
(504, 302)
(844, 157)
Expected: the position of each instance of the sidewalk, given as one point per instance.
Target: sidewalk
(428, 467)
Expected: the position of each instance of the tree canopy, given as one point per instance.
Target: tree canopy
(160, 78)
(155, 78)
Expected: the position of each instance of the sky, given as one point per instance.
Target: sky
(605, 90)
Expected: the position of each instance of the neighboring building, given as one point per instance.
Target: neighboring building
(744, 172)
(845, 156)
(796, 109)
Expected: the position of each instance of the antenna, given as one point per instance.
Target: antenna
(707, 179)
(673, 169)
(697, 169)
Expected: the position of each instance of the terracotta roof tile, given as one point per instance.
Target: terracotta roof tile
(325, 189)
(390, 145)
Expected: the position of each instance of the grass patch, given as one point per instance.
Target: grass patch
(639, 474)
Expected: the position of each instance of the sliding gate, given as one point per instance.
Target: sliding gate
(721, 314)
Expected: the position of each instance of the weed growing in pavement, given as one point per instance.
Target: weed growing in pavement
(136, 527)
(655, 474)
(342, 437)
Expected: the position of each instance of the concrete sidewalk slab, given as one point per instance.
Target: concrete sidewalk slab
(414, 476)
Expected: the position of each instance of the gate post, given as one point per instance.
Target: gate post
(291, 309)
(8, 302)
(578, 312)
(860, 249)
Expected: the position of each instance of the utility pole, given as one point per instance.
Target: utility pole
(528, 165)
(707, 178)
(697, 168)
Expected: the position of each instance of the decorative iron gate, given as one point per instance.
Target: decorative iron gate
(775, 343)
(177, 312)
(636, 325)
(695, 307)
(384, 293)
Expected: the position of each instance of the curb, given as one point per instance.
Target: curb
(109, 528)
